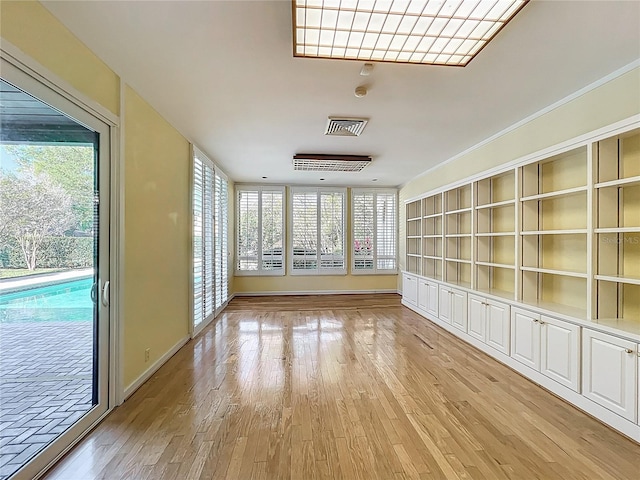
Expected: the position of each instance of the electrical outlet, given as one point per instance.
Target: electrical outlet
(146, 354)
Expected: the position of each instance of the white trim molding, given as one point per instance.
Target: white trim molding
(147, 374)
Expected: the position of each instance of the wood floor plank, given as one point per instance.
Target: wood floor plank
(342, 387)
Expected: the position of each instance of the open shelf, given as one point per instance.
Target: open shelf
(414, 236)
(500, 250)
(559, 293)
(496, 279)
(557, 253)
(624, 182)
(619, 279)
(496, 219)
(496, 190)
(432, 247)
(618, 158)
(565, 273)
(458, 248)
(458, 272)
(432, 206)
(556, 213)
(557, 175)
(432, 268)
(618, 301)
(458, 198)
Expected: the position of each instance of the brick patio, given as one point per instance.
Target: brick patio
(45, 385)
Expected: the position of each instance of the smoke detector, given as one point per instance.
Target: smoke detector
(318, 162)
(345, 127)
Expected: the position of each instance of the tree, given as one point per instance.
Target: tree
(31, 208)
(70, 166)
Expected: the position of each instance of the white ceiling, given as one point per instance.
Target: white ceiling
(223, 73)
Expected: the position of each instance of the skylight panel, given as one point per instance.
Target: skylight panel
(438, 32)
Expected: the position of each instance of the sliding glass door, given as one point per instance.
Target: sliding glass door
(54, 273)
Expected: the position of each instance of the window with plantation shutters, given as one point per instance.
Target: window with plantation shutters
(221, 240)
(318, 231)
(260, 230)
(210, 250)
(374, 220)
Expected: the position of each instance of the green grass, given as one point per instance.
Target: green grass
(23, 272)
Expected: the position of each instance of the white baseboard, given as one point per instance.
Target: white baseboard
(313, 292)
(613, 420)
(146, 375)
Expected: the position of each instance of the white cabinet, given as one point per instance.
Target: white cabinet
(548, 345)
(410, 289)
(428, 297)
(609, 372)
(525, 337)
(453, 307)
(560, 351)
(489, 322)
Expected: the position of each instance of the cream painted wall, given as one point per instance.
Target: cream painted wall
(315, 283)
(157, 235)
(611, 102)
(30, 27)
(157, 186)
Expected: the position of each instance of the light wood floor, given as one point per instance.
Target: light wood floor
(353, 387)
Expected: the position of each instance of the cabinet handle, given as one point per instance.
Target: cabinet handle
(536, 321)
(628, 350)
(542, 323)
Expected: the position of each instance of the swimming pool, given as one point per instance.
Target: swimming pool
(63, 302)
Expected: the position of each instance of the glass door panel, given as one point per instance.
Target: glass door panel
(54, 274)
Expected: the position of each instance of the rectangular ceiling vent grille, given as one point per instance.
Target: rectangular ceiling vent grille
(330, 163)
(345, 127)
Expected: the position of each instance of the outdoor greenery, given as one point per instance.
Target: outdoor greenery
(54, 252)
(46, 207)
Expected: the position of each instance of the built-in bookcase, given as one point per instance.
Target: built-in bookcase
(414, 237)
(560, 233)
(458, 235)
(554, 236)
(495, 234)
(432, 237)
(617, 232)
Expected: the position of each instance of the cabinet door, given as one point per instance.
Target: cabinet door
(423, 295)
(560, 352)
(497, 326)
(410, 289)
(459, 309)
(609, 372)
(525, 338)
(445, 305)
(432, 303)
(477, 321)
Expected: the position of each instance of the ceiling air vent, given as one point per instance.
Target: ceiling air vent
(330, 163)
(345, 127)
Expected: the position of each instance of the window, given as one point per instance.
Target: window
(374, 214)
(260, 242)
(318, 229)
(210, 230)
(221, 239)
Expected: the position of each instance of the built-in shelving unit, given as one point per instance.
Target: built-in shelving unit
(560, 233)
(432, 235)
(538, 265)
(457, 235)
(617, 231)
(554, 236)
(495, 234)
(414, 237)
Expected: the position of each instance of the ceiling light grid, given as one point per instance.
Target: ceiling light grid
(436, 32)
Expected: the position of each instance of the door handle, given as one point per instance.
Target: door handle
(105, 293)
